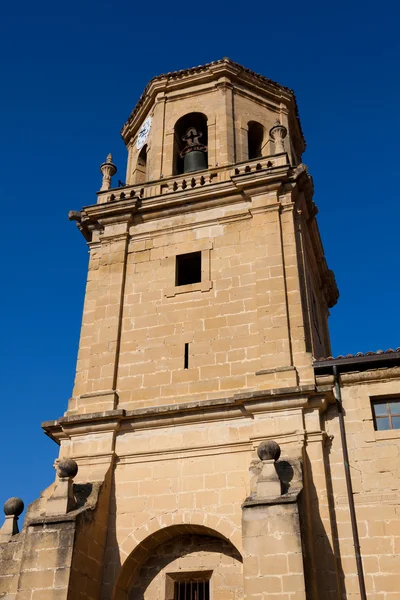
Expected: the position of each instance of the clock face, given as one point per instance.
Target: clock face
(143, 133)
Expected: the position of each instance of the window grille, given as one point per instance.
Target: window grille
(192, 590)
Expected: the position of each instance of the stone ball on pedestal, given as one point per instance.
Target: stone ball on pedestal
(13, 507)
(269, 450)
(67, 467)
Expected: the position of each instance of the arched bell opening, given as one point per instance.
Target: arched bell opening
(141, 166)
(190, 143)
(255, 139)
(181, 562)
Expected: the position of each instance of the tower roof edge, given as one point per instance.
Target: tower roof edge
(173, 75)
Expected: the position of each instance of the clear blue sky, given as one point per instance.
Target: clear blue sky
(69, 81)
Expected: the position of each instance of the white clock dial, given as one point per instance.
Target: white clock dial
(143, 133)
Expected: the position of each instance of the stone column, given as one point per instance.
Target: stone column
(272, 549)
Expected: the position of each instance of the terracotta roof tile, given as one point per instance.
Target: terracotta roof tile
(358, 355)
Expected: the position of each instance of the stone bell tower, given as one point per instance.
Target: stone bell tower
(194, 403)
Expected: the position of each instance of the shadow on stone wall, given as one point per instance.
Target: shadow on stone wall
(323, 565)
(196, 554)
(112, 561)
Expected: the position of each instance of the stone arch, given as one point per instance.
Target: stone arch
(255, 139)
(199, 121)
(138, 546)
(140, 173)
(243, 122)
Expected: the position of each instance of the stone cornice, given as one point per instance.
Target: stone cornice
(232, 184)
(238, 406)
(251, 177)
(325, 382)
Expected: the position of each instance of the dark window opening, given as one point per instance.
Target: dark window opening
(199, 122)
(192, 590)
(188, 268)
(141, 165)
(186, 361)
(386, 413)
(255, 137)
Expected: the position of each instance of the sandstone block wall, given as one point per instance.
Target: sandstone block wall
(194, 556)
(244, 322)
(376, 481)
(10, 562)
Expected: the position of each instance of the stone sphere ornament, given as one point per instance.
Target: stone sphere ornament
(13, 507)
(269, 450)
(67, 467)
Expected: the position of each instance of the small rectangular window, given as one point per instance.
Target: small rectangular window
(192, 590)
(386, 413)
(188, 268)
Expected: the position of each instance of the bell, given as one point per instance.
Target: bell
(194, 161)
(194, 153)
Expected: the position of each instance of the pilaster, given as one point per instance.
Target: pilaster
(275, 343)
(225, 123)
(95, 383)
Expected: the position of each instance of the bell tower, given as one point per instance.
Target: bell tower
(207, 276)
(207, 296)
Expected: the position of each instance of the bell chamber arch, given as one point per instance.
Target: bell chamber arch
(141, 166)
(255, 139)
(190, 143)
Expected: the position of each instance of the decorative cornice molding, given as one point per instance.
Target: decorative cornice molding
(235, 407)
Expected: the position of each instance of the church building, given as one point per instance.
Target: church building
(212, 448)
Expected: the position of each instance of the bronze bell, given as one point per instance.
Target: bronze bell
(194, 154)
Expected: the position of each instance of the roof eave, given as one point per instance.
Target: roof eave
(357, 363)
(160, 82)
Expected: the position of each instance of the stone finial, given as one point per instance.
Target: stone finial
(62, 499)
(108, 169)
(268, 482)
(13, 507)
(269, 450)
(67, 468)
(278, 132)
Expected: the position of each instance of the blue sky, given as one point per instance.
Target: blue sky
(72, 73)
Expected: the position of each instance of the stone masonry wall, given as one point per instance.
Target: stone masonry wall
(195, 474)
(374, 466)
(10, 563)
(194, 556)
(241, 319)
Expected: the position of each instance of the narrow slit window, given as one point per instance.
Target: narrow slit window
(386, 413)
(186, 359)
(188, 268)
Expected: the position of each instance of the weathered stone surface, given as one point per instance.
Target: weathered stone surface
(177, 386)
